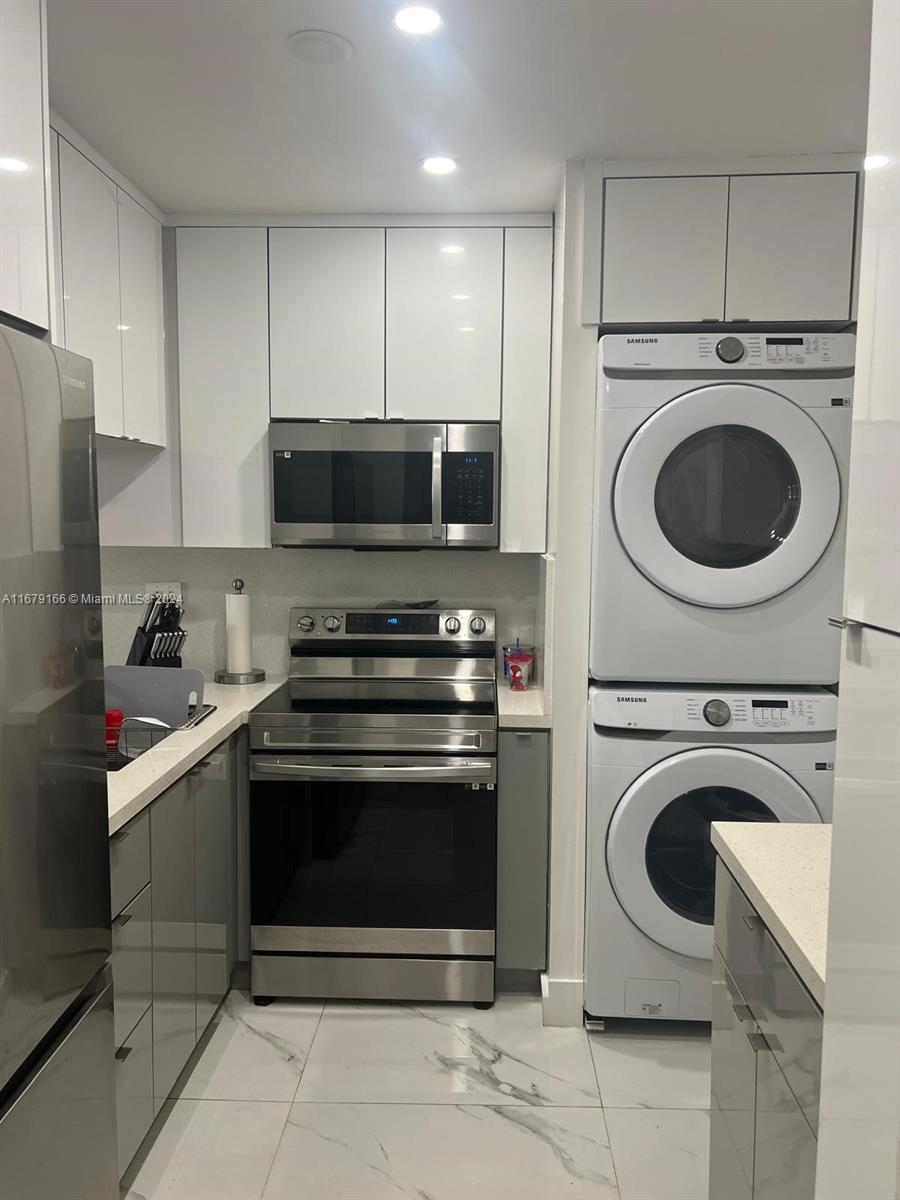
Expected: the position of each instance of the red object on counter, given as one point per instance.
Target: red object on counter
(114, 719)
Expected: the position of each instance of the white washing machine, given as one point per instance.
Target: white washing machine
(664, 764)
(719, 513)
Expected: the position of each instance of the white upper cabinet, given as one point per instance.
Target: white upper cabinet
(90, 253)
(140, 262)
(326, 323)
(664, 249)
(528, 267)
(223, 365)
(444, 324)
(24, 283)
(790, 247)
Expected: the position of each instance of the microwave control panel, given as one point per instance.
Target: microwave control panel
(468, 488)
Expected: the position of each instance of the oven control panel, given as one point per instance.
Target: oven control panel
(336, 624)
(727, 712)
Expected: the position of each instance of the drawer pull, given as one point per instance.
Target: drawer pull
(742, 1012)
(773, 1043)
(123, 1052)
(122, 918)
(121, 836)
(753, 922)
(757, 1041)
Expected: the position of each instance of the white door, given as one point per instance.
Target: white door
(659, 855)
(140, 262)
(444, 324)
(326, 323)
(90, 253)
(790, 247)
(223, 371)
(664, 249)
(727, 496)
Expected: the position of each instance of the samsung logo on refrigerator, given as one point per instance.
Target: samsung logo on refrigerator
(631, 699)
(642, 341)
(71, 381)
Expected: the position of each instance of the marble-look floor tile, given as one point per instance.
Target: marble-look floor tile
(442, 1152)
(642, 1066)
(660, 1154)
(448, 1054)
(254, 1053)
(210, 1150)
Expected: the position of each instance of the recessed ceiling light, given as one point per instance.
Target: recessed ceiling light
(437, 165)
(873, 161)
(13, 164)
(417, 19)
(460, 296)
(320, 47)
(452, 249)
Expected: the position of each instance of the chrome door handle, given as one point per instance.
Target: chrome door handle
(472, 772)
(437, 457)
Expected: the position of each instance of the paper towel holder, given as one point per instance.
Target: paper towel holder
(255, 674)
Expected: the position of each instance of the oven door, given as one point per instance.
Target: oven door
(336, 484)
(369, 855)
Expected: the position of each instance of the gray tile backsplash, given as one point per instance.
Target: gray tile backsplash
(277, 579)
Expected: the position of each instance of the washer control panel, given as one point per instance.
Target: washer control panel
(761, 710)
(740, 352)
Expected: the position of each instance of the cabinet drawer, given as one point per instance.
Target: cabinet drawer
(132, 964)
(129, 861)
(134, 1089)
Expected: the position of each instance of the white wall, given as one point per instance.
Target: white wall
(573, 381)
(859, 1123)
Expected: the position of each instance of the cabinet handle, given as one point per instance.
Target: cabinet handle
(757, 1041)
(773, 1043)
(753, 922)
(742, 1012)
(122, 918)
(123, 1052)
(121, 836)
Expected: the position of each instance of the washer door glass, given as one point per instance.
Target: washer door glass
(679, 856)
(659, 855)
(727, 495)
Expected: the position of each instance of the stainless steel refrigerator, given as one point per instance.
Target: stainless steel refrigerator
(57, 1089)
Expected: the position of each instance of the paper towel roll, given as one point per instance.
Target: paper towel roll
(237, 633)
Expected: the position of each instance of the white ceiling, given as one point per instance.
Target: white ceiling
(203, 106)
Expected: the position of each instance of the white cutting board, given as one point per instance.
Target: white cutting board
(166, 693)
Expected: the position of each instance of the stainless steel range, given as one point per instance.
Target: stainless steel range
(373, 809)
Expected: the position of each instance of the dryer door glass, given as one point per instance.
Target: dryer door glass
(680, 859)
(727, 496)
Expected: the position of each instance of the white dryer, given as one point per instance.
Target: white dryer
(664, 764)
(719, 513)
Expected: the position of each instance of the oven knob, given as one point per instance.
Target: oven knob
(332, 624)
(730, 349)
(477, 625)
(451, 625)
(306, 624)
(716, 712)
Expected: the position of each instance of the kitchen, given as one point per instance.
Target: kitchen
(352, 441)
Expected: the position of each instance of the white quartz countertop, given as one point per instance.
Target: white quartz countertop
(130, 790)
(783, 871)
(135, 786)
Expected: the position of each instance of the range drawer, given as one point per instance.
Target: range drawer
(129, 861)
(787, 1015)
(134, 1089)
(132, 963)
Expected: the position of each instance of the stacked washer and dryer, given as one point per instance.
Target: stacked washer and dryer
(720, 491)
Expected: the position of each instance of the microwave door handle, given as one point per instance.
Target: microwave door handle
(437, 460)
(470, 772)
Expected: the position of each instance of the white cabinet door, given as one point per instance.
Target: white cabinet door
(790, 247)
(223, 356)
(24, 284)
(664, 249)
(140, 263)
(525, 423)
(90, 253)
(326, 322)
(444, 324)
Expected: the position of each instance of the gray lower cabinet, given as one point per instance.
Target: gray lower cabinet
(213, 781)
(172, 861)
(523, 822)
(134, 1089)
(132, 963)
(766, 1061)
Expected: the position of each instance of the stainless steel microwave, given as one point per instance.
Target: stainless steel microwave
(347, 483)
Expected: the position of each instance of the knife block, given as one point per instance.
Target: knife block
(139, 654)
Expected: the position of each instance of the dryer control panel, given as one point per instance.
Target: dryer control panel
(726, 353)
(763, 710)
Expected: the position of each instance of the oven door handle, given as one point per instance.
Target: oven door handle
(458, 772)
(437, 461)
